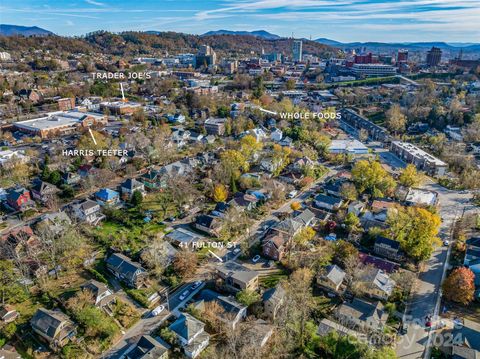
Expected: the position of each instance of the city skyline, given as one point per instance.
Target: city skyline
(344, 20)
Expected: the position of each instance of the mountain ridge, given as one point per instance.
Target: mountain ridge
(12, 30)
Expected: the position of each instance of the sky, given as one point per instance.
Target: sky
(341, 20)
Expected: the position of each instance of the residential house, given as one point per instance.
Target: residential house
(288, 226)
(462, 341)
(273, 299)
(18, 240)
(19, 199)
(232, 311)
(243, 201)
(87, 211)
(362, 314)
(148, 348)
(43, 191)
(327, 202)
(388, 248)
(164, 250)
(102, 295)
(421, 197)
(131, 273)
(131, 185)
(191, 334)
(356, 207)
(184, 238)
(376, 283)
(276, 135)
(331, 278)
(53, 326)
(215, 126)
(385, 265)
(258, 332)
(86, 170)
(8, 314)
(151, 179)
(236, 277)
(107, 197)
(305, 217)
(70, 178)
(334, 188)
(472, 257)
(209, 224)
(54, 223)
(274, 245)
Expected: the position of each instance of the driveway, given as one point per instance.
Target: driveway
(426, 293)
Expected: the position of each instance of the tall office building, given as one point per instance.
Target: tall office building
(434, 55)
(297, 50)
(402, 56)
(205, 57)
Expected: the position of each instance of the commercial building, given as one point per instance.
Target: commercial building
(347, 146)
(297, 50)
(421, 159)
(65, 104)
(434, 56)
(402, 56)
(373, 70)
(351, 120)
(120, 107)
(205, 57)
(59, 123)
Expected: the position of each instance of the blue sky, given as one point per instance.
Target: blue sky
(342, 20)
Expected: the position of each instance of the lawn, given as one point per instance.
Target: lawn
(272, 280)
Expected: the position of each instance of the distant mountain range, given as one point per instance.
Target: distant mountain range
(11, 30)
(452, 46)
(258, 33)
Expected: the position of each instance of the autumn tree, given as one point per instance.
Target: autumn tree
(220, 193)
(395, 119)
(185, 263)
(295, 313)
(305, 235)
(409, 177)
(352, 222)
(296, 206)
(348, 191)
(232, 164)
(460, 286)
(416, 229)
(249, 146)
(371, 177)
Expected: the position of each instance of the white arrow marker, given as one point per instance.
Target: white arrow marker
(91, 134)
(220, 259)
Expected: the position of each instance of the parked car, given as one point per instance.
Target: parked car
(196, 285)
(256, 259)
(446, 242)
(156, 311)
(292, 194)
(236, 250)
(184, 295)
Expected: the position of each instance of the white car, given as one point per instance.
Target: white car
(256, 259)
(184, 295)
(156, 311)
(236, 250)
(446, 243)
(196, 285)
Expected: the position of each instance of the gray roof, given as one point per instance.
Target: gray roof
(122, 264)
(187, 326)
(275, 294)
(148, 347)
(335, 274)
(289, 226)
(48, 321)
(380, 279)
(305, 217)
(237, 271)
(363, 311)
